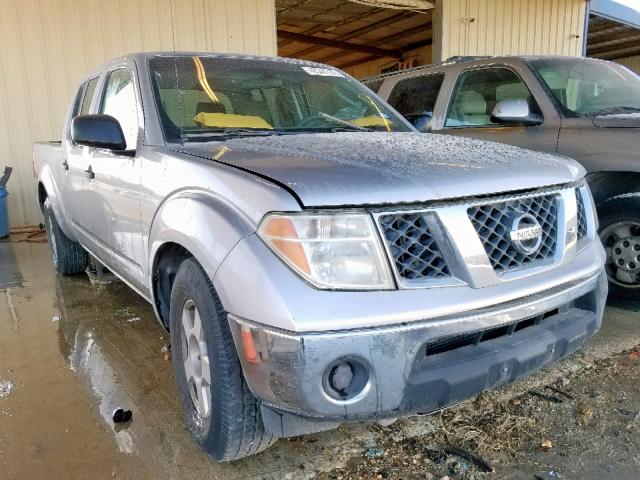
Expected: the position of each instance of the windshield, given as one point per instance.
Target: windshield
(205, 98)
(585, 87)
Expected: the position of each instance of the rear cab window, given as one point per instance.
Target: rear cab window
(415, 97)
(477, 91)
(89, 92)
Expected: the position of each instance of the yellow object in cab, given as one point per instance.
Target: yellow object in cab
(229, 120)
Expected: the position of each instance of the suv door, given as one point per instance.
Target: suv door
(474, 96)
(116, 181)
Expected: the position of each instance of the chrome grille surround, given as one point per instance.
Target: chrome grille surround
(452, 238)
(494, 221)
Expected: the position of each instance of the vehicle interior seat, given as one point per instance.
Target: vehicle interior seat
(472, 108)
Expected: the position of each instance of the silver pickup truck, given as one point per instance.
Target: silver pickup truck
(315, 259)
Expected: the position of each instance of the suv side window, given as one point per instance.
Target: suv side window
(477, 92)
(119, 101)
(88, 96)
(415, 97)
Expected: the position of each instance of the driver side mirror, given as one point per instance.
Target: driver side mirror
(514, 111)
(98, 131)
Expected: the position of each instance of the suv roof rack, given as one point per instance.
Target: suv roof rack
(448, 61)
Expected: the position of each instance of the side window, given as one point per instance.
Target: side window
(477, 92)
(119, 101)
(374, 84)
(77, 101)
(88, 96)
(415, 97)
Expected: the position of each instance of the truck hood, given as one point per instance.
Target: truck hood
(358, 168)
(622, 120)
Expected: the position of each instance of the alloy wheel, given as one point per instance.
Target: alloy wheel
(621, 241)
(195, 359)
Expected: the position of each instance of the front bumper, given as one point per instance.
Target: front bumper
(288, 371)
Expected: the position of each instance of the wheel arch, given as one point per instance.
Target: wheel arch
(605, 185)
(190, 225)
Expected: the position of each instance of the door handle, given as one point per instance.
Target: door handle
(65, 165)
(88, 173)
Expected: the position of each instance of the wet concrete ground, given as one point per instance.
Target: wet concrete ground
(71, 351)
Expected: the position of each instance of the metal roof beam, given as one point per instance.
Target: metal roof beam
(327, 42)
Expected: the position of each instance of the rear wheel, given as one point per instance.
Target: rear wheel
(221, 413)
(69, 258)
(620, 235)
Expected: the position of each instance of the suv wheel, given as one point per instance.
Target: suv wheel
(221, 413)
(69, 258)
(620, 235)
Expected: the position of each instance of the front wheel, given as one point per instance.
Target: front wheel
(221, 413)
(620, 235)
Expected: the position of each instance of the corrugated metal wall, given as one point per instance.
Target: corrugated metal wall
(510, 27)
(632, 63)
(47, 46)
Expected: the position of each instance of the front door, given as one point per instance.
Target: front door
(475, 94)
(116, 182)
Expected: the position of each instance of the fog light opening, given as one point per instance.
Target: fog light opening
(345, 379)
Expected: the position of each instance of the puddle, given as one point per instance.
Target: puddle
(5, 388)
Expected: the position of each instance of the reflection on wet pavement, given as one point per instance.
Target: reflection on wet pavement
(74, 351)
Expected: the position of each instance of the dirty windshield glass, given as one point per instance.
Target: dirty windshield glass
(590, 88)
(204, 98)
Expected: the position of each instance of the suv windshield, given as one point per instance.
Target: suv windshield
(584, 87)
(202, 98)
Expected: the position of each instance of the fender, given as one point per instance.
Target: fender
(201, 222)
(55, 199)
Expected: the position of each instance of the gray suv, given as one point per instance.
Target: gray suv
(583, 108)
(314, 258)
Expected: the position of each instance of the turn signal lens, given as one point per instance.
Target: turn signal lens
(332, 251)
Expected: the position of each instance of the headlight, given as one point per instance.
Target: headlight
(334, 251)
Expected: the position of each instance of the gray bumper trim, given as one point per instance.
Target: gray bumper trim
(285, 370)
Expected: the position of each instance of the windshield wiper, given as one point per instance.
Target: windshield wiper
(228, 133)
(615, 110)
(343, 123)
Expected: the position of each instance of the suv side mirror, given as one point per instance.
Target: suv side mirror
(99, 131)
(514, 111)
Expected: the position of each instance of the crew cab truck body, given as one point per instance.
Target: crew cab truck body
(315, 259)
(583, 108)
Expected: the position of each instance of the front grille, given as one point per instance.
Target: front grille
(582, 216)
(413, 248)
(493, 222)
(454, 342)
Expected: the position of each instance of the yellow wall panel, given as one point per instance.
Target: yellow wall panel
(48, 46)
(510, 27)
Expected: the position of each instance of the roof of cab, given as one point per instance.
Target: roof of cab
(141, 57)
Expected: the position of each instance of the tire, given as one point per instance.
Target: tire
(620, 235)
(69, 258)
(233, 427)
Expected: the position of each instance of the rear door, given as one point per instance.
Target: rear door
(478, 89)
(76, 161)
